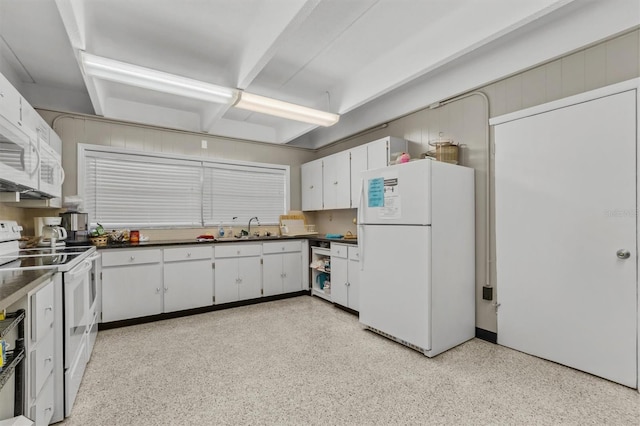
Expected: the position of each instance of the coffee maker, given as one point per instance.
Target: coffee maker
(77, 226)
(51, 233)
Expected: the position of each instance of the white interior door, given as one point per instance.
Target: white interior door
(565, 206)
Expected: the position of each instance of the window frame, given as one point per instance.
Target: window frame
(84, 149)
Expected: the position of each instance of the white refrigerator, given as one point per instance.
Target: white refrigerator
(416, 234)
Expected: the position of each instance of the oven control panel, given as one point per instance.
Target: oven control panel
(9, 230)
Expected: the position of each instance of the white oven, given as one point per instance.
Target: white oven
(76, 309)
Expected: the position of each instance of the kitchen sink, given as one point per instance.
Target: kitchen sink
(249, 238)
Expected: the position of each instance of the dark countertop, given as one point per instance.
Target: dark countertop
(160, 243)
(14, 285)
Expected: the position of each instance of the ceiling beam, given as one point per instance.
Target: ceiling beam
(276, 25)
(73, 19)
(211, 114)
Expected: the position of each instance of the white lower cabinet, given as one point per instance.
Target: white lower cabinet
(132, 284)
(238, 272)
(41, 353)
(282, 267)
(138, 282)
(345, 275)
(188, 278)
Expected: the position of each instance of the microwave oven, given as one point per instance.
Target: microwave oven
(19, 158)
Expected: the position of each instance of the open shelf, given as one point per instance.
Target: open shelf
(13, 360)
(321, 294)
(14, 365)
(10, 322)
(321, 273)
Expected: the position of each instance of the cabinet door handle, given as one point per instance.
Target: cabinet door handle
(189, 254)
(335, 183)
(48, 308)
(157, 289)
(132, 258)
(311, 187)
(48, 359)
(166, 289)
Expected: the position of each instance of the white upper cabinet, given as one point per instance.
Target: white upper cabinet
(336, 181)
(311, 184)
(379, 151)
(333, 182)
(358, 165)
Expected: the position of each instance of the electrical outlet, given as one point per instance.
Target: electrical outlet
(204, 144)
(487, 293)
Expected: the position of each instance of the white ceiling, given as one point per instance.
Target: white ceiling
(332, 55)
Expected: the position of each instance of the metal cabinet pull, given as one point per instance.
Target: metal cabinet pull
(623, 254)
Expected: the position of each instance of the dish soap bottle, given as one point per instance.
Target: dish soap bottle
(220, 230)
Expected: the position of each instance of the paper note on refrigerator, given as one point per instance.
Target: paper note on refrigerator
(391, 208)
(376, 192)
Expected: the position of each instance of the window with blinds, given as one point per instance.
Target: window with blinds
(243, 192)
(141, 190)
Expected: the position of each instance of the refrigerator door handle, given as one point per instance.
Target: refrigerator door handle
(360, 227)
(361, 246)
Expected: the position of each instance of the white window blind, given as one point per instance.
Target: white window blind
(125, 190)
(244, 192)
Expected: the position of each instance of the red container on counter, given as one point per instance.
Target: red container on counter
(134, 236)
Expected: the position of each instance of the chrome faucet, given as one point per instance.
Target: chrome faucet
(249, 227)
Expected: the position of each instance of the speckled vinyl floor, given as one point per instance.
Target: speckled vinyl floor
(302, 361)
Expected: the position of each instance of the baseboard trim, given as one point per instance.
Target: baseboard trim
(188, 312)
(487, 335)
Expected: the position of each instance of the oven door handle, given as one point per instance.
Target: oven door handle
(80, 270)
(94, 257)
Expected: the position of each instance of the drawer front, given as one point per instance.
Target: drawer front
(42, 312)
(282, 247)
(41, 364)
(187, 253)
(42, 410)
(339, 250)
(238, 250)
(354, 253)
(130, 257)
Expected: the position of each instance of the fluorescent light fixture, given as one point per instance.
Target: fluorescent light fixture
(282, 109)
(147, 78)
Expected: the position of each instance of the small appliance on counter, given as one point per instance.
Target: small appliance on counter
(53, 235)
(77, 227)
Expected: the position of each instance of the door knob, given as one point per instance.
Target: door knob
(623, 254)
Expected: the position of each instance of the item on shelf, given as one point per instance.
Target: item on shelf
(334, 236)
(445, 150)
(134, 236)
(403, 158)
(295, 224)
(99, 241)
(205, 237)
(350, 236)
